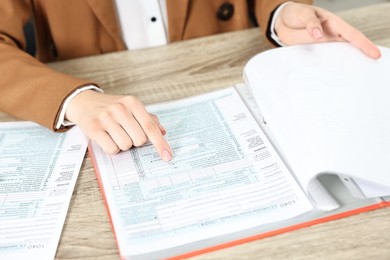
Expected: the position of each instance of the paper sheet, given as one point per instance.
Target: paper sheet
(327, 106)
(38, 172)
(225, 177)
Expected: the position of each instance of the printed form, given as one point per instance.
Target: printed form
(38, 172)
(225, 177)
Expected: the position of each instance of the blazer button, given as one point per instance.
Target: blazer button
(225, 11)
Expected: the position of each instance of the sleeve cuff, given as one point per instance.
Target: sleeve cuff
(61, 122)
(271, 34)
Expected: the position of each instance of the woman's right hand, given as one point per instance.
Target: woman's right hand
(117, 122)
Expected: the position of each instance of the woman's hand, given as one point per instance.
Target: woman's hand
(300, 24)
(117, 122)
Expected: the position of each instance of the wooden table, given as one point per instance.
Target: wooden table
(193, 67)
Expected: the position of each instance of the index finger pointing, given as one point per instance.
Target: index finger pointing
(153, 132)
(155, 136)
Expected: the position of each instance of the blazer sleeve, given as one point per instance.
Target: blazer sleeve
(265, 8)
(29, 89)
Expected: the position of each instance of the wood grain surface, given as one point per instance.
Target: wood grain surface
(193, 67)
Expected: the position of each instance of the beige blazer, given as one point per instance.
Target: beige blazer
(68, 29)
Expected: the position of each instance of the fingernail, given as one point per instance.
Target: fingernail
(166, 156)
(317, 33)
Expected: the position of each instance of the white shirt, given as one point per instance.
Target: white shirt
(143, 23)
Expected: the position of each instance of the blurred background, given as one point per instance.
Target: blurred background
(341, 5)
(331, 5)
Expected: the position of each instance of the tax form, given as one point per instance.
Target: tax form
(225, 177)
(38, 172)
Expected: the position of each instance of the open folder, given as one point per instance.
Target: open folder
(290, 148)
(327, 106)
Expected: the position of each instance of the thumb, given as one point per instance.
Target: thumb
(312, 24)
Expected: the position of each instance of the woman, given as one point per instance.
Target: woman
(74, 28)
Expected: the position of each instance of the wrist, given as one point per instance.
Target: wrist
(275, 24)
(79, 103)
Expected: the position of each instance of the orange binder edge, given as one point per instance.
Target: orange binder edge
(243, 240)
(387, 203)
(94, 164)
(281, 231)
